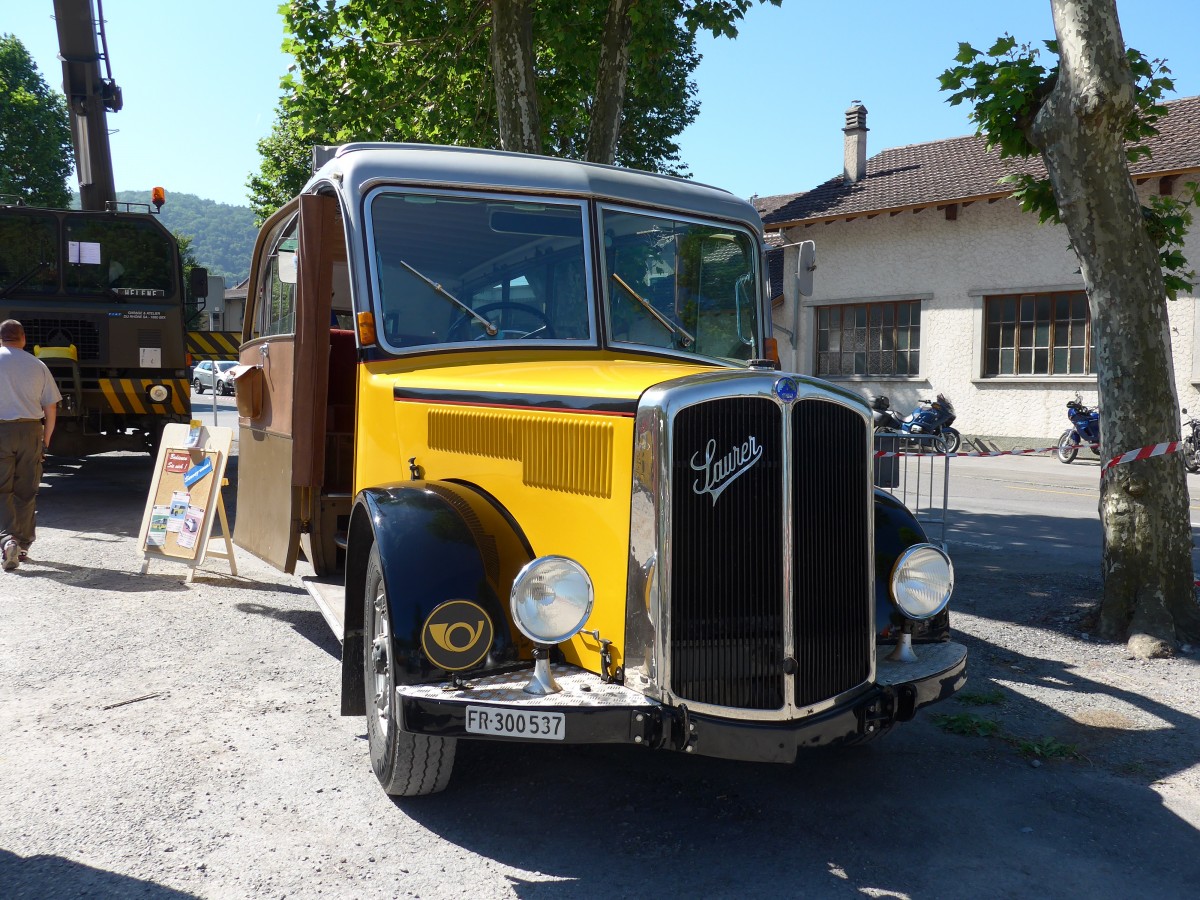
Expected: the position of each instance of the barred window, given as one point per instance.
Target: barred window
(869, 339)
(1038, 334)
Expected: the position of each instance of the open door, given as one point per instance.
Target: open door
(285, 345)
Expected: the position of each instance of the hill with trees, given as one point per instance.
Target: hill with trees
(222, 235)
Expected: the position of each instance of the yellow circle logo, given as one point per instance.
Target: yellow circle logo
(457, 635)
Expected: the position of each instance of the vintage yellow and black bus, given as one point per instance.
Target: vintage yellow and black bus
(527, 408)
(101, 297)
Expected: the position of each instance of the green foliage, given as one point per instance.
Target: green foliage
(967, 724)
(286, 164)
(1007, 86)
(981, 698)
(416, 71)
(35, 131)
(220, 236)
(193, 317)
(1046, 748)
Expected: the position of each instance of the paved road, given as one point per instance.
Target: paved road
(235, 776)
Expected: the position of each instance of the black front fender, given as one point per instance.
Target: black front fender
(897, 529)
(437, 541)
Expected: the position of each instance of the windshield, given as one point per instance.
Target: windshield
(28, 254)
(681, 285)
(125, 257)
(454, 269)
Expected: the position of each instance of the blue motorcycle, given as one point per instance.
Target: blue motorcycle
(1084, 430)
(932, 417)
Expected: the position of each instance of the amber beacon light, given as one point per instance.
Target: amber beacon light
(158, 197)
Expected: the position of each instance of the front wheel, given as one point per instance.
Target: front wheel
(1191, 456)
(1068, 447)
(948, 441)
(406, 764)
(198, 386)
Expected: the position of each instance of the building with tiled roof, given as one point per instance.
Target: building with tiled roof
(931, 279)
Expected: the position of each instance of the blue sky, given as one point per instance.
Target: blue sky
(201, 82)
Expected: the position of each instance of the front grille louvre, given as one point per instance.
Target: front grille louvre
(831, 577)
(728, 604)
(46, 331)
(727, 646)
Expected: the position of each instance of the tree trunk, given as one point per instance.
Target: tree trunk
(1148, 593)
(515, 77)
(611, 75)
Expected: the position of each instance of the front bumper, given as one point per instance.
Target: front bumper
(598, 713)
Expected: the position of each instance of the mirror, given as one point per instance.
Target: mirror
(198, 282)
(805, 266)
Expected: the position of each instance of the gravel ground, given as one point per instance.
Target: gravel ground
(164, 739)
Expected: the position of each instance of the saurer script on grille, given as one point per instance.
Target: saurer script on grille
(718, 474)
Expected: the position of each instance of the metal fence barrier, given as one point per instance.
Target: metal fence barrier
(920, 479)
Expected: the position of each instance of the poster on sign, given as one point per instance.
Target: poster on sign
(186, 486)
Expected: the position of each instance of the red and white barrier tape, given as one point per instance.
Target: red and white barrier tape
(1129, 456)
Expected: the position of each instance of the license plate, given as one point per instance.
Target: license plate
(520, 723)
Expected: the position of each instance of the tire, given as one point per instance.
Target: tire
(1068, 447)
(406, 764)
(1191, 456)
(948, 441)
(198, 386)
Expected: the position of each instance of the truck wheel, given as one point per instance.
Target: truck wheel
(407, 765)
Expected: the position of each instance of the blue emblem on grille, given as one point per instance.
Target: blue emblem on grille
(786, 389)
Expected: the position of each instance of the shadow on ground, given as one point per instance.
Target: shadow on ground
(39, 877)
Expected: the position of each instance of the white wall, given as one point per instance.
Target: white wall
(991, 248)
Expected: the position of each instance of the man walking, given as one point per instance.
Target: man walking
(28, 395)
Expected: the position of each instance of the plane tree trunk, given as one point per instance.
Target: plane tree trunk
(611, 76)
(515, 76)
(1148, 596)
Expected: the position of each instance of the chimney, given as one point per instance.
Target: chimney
(855, 161)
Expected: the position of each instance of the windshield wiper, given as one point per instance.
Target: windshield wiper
(675, 329)
(438, 289)
(24, 278)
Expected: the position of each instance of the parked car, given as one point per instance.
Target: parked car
(203, 374)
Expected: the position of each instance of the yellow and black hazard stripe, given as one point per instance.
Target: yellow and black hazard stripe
(132, 395)
(214, 344)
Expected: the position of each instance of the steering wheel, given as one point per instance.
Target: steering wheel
(544, 328)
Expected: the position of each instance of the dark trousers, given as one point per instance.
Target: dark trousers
(20, 475)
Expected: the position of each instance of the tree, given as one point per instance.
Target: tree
(1085, 117)
(604, 80)
(35, 131)
(193, 314)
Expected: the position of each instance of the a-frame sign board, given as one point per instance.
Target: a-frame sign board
(185, 498)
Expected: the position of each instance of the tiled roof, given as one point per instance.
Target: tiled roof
(958, 169)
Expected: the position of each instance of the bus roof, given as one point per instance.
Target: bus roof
(363, 165)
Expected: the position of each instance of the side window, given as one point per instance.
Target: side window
(28, 253)
(276, 312)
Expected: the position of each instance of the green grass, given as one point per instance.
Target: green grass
(1046, 748)
(984, 698)
(967, 723)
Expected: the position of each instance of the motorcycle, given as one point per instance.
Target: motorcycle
(1191, 445)
(1085, 429)
(930, 417)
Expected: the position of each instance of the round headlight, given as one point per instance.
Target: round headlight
(922, 581)
(159, 393)
(551, 599)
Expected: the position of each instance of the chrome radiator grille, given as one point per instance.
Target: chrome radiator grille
(737, 634)
(727, 642)
(831, 585)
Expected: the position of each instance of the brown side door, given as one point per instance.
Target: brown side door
(285, 339)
